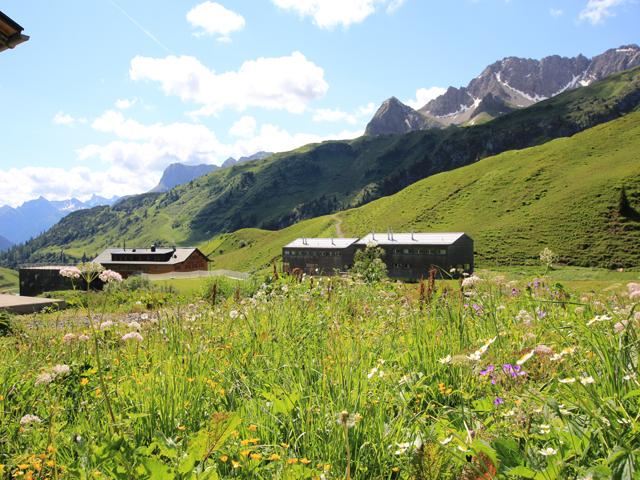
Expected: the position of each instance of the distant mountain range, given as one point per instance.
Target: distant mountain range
(30, 219)
(506, 85)
(180, 173)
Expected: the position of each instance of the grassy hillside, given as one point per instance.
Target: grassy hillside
(564, 194)
(324, 178)
(8, 281)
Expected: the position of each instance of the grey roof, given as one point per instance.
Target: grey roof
(180, 255)
(447, 238)
(321, 243)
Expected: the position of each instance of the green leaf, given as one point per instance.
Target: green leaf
(157, 470)
(631, 394)
(480, 446)
(508, 452)
(521, 472)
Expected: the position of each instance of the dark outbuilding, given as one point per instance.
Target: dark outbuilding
(154, 260)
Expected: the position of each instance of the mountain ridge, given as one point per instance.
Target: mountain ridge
(514, 82)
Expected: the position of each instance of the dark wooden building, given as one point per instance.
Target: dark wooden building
(132, 261)
(38, 279)
(408, 256)
(10, 33)
(319, 256)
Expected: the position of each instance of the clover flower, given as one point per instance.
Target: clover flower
(30, 419)
(135, 325)
(634, 290)
(543, 350)
(524, 317)
(61, 370)
(69, 337)
(619, 327)
(132, 336)
(106, 325)
(108, 276)
(471, 281)
(45, 378)
(83, 338)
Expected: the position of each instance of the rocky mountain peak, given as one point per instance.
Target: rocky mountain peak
(507, 84)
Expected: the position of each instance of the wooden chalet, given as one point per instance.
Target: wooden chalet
(10, 33)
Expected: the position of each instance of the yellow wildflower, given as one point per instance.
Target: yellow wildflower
(256, 456)
(84, 381)
(274, 457)
(292, 461)
(244, 442)
(224, 458)
(284, 445)
(235, 464)
(182, 428)
(305, 461)
(245, 453)
(253, 428)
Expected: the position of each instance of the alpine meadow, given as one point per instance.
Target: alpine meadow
(320, 240)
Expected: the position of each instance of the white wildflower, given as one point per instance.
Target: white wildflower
(544, 429)
(144, 316)
(68, 338)
(70, 272)
(135, 325)
(29, 419)
(106, 325)
(587, 380)
(234, 314)
(45, 378)
(132, 336)
(447, 440)
(619, 327)
(548, 452)
(83, 338)
(471, 281)
(61, 370)
(524, 317)
(567, 380)
(109, 276)
(597, 319)
(525, 357)
(445, 360)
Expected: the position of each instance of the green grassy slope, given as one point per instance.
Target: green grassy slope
(324, 178)
(8, 281)
(564, 194)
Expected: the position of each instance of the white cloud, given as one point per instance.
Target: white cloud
(597, 10)
(556, 12)
(332, 13)
(279, 83)
(125, 103)
(424, 96)
(65, 119)
(244, 128)
(133, 159)
(336, 115)
(215, 20)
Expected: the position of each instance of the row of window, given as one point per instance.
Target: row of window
(399, 251)
(313, 253)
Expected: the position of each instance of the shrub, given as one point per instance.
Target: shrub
(368, 264)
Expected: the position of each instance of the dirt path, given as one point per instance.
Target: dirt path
(338, 225)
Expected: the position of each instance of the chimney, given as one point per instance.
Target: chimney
(373, 236)
(332, 242)
(412, 236)
(153, 247)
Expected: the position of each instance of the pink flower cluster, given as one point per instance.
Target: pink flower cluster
(108, 276)
(634, 291)
(70, 272)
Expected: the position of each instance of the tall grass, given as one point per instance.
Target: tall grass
(332, 379)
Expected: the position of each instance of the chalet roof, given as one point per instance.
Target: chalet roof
(179, 256)
(447, 238)
(322, 243)
(10, 33)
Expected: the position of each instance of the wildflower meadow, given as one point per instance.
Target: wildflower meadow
(327, 378)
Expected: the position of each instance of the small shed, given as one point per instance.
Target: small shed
(319, 256)
(38, 279)
(154, 260)
(410, 256)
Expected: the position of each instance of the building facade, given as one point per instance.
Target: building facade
(319, 256)
(134, 261)
(408, 256)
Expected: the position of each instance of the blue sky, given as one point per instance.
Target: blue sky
(107, 93)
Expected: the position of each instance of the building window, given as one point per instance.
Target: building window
(406, 251)
(442, 251)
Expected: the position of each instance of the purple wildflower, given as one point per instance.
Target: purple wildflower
(488, 370)
(541, 313)
(515, 292)
(498, 401)
(513, 370)
(478, 309)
